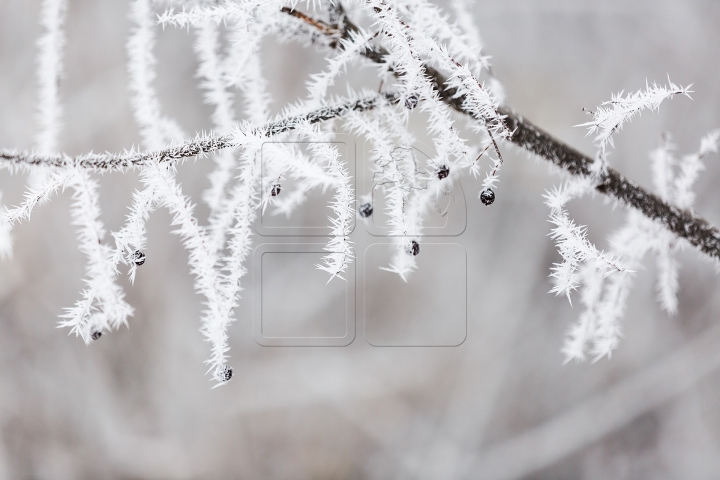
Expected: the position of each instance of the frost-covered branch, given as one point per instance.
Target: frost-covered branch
(528, 136)
(598, 327)
(573, 245)
(339, 247)
(200, 145)
(103, 307)
(610, 117)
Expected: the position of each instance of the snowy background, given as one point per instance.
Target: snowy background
(501, 405)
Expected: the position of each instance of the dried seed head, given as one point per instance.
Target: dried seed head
(275, 191)
(365, 210)
(138, 257)
(487, 197)
(413, 248)
(95, 335)
(443, 171)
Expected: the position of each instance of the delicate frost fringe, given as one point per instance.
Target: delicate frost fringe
(212, 80)
(339, 246)
(409, 41)
(161, 186)
(240, 69)
(605, 303)
(408, 192)
(308, 174)
(396, 176)
(611, 116)
(417, 88)
(349, 49)
(103, 307)
(571, 239)
(155, 130)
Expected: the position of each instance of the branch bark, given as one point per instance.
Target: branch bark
(686, 224)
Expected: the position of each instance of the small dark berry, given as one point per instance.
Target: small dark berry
(365, 210)
(443, 171)
(487, 197)
(411, 101)
(275, 191)
(413, 249)
(95, 335)
(138, 257)
(227, 373)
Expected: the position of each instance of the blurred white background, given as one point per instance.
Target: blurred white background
(501, 405)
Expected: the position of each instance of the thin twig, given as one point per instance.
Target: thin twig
(318, 24)
(199, 146)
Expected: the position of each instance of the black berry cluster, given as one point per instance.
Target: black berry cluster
(227, 373)
(413, 248)
(275, 191)
(365, 210)
(443, 171)
(95, 335)
(487, 197)
(138, 257)
(411, 101)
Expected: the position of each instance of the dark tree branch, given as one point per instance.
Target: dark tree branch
(191, 148)
(683, 223)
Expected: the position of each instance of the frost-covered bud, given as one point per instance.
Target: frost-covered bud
(226, 373)
(365, 210)
(487, 197)
(411, 101)
(275, 191)
(95, 335)
(138, 257)
(413, 248)
(443, 171)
